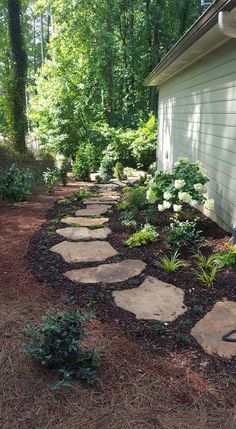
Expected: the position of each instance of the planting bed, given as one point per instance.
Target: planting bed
(162, 337)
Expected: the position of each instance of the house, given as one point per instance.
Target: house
(197, 104)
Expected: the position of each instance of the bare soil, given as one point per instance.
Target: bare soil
(138, 388)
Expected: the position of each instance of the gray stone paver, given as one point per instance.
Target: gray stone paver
(83, 233)
(93, 210)
(216, 323)
(153, 300)
(84, 221)
(107, 273)
(92, 251)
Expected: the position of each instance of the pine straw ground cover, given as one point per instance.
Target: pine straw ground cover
(136, 389)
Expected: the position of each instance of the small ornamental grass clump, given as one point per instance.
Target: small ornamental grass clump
(172, 263)
(57, 344)
(207, 268)
(185, 184)
(148, 234)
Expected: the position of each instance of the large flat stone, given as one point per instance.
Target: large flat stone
(93, 210)
(83, 221)
(99, 201)
(93, 251)
(210, 329)
(109, 273)
(153, 300)
(84, 234)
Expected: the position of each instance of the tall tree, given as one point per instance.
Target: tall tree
(19, 70)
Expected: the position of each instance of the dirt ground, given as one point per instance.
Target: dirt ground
(136, 389)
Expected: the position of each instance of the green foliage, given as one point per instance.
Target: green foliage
(182, 234)
(226, 258)
(207, 276)
(57, 344)
(205, 262)
(118, 171)
(207, 268)
(135, 197)
(15, 184)
(50, 177)
(148, 234)
(183, 340)
(81, 168)
(172, 263)
(185, 184)
(144, 143)
(127, 219)
(62, 172)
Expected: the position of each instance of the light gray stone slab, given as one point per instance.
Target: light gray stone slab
(153, 300)
(84, 234)
(93, 210)
(92, 251)
(108, 273)
(83, 221)
(210, 329)
(99, 201)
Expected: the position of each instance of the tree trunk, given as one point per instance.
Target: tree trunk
(109, 66)
(18, 93)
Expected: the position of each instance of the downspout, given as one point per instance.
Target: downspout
(226, 25)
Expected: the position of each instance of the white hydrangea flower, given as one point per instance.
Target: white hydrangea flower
(209, 204)
(151, 196)
(178, 184)
(177, 208)
(200, 188)
(166, 204)
(161, 207)
(194, 202)
(185, 197)
(183, 159)
(167, 196)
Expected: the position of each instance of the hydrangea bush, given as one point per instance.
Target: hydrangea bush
(184, 184)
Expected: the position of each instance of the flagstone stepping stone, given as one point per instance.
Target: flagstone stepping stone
(84, 234)
(153, 300)
(210, 329)
(92, 251)
(99, 201)
(93, 210)
(108, 273)
(85, 221)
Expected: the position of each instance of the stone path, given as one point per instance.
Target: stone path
(153, 299)
(84, 221)
(109, 273)
(84, 234)
(93, 251)
(210, 329)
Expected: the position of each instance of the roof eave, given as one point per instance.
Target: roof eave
(206, 21)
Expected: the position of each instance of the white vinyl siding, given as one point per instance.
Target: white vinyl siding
(197, 119)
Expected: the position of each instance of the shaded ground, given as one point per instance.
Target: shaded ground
(137, 389)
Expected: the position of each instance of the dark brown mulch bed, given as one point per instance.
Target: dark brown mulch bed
(49, 267)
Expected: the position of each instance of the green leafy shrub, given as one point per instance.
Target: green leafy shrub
(226, 258)
(135, 197)
(57, 344)
(172, 263)
(16, 184)
(62, 172)
(185, 184)
(182, 234)
(144, 143)
(147, 235)
(107, 166)
(127, 219)
(81, 168)
(118, 171)
(50, 177)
